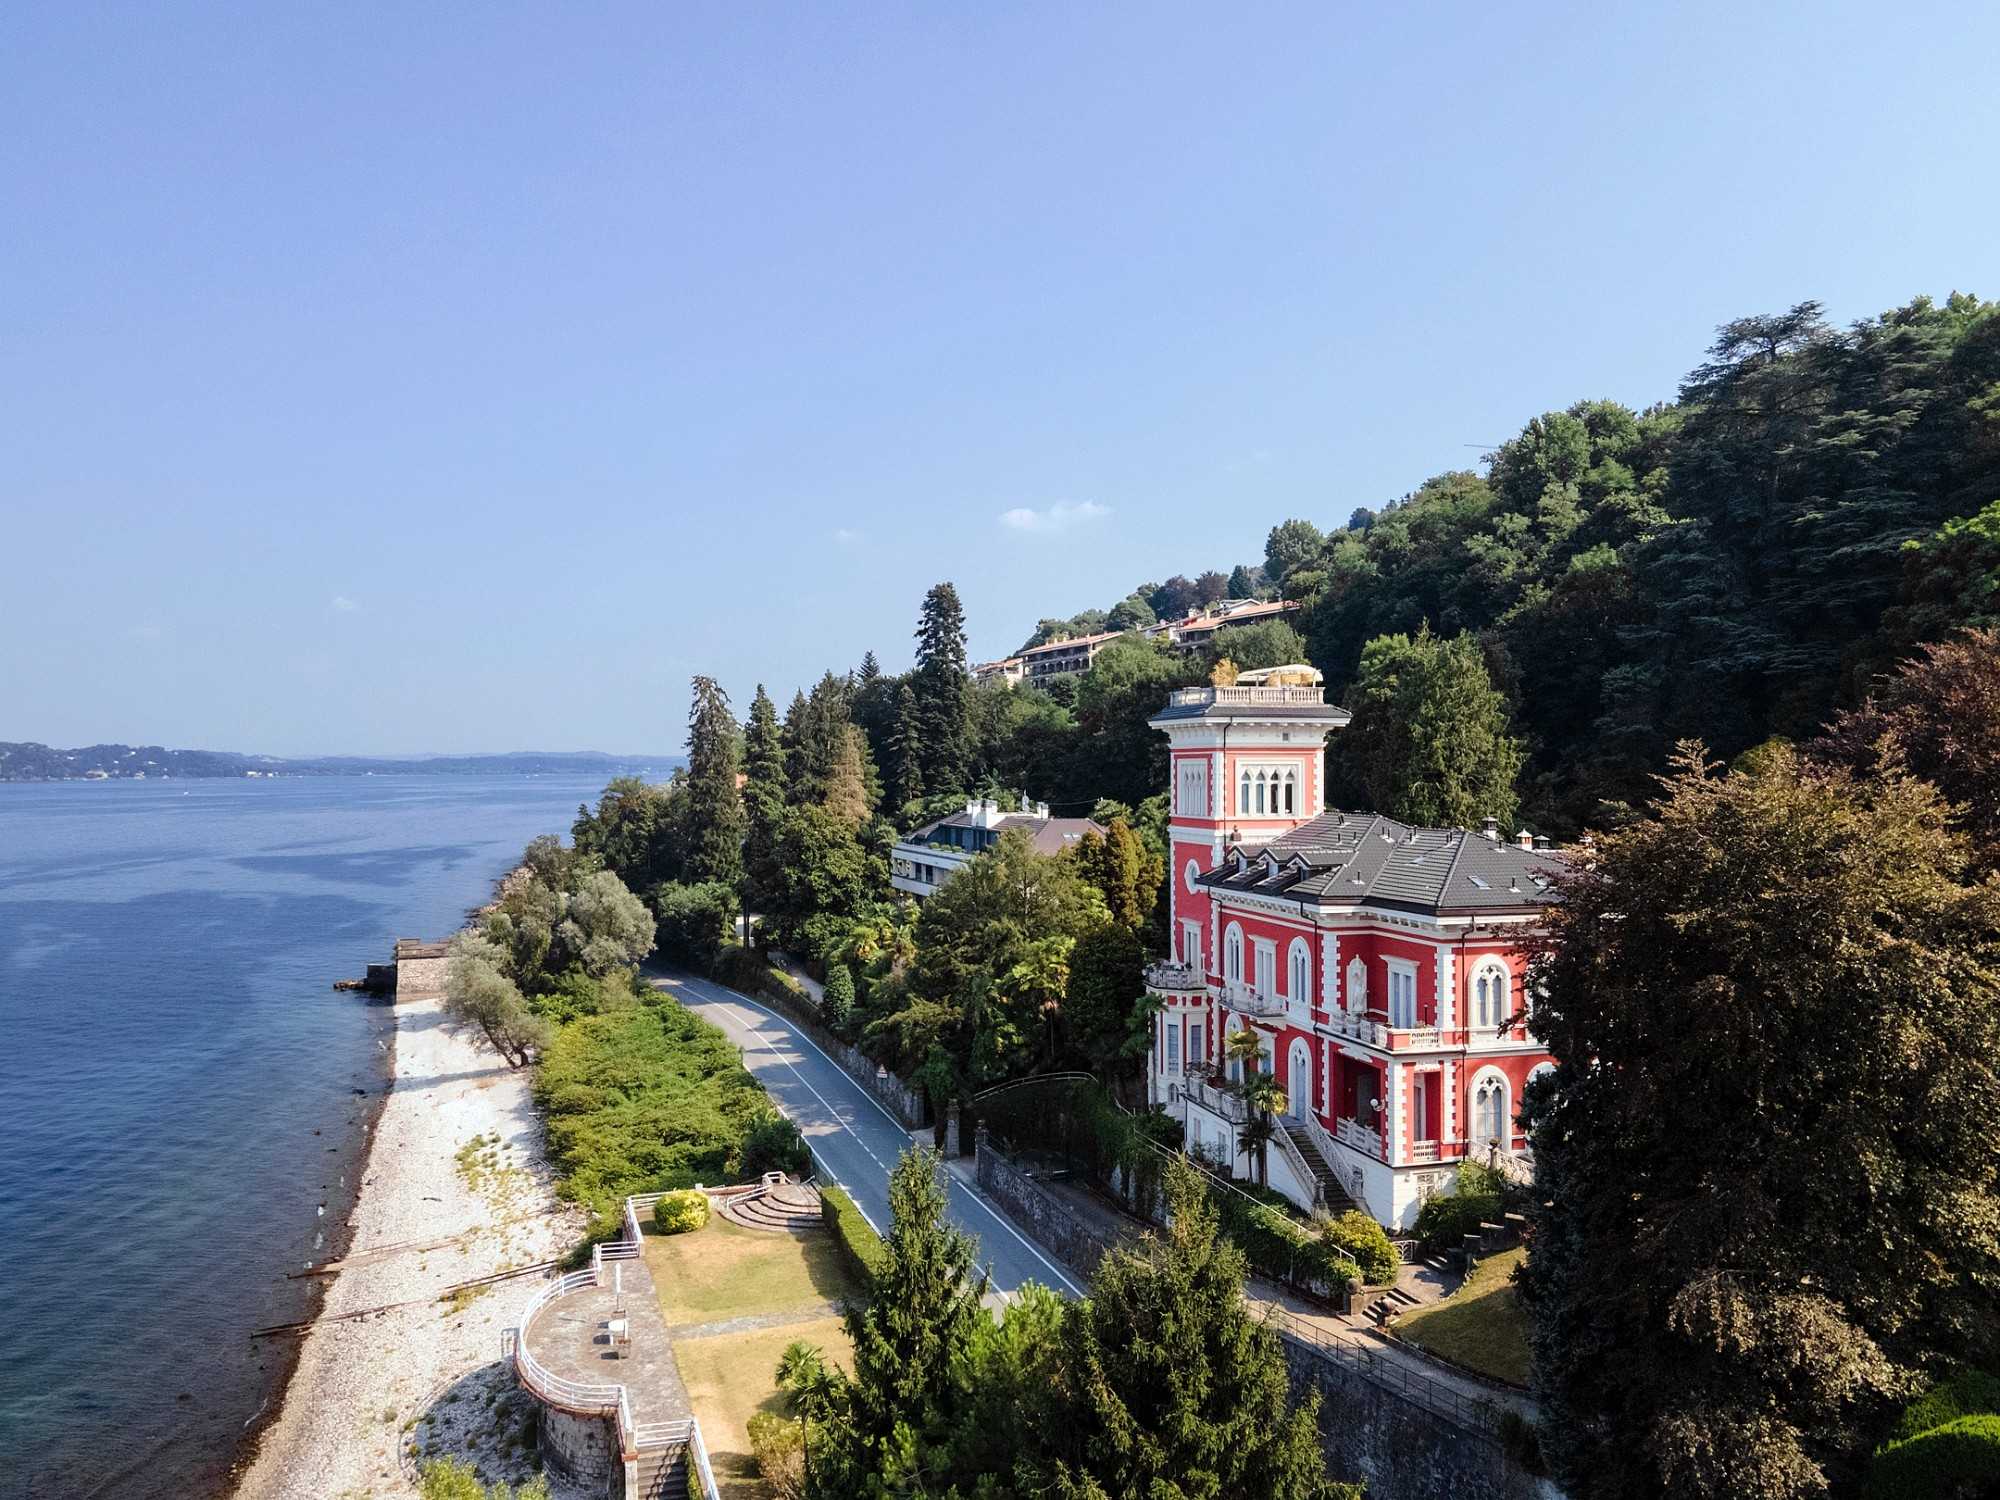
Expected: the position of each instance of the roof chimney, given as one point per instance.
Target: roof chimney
(1525, 839)
(1491, 828)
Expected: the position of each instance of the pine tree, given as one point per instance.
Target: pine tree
(818, 740)
(837, 1001)
(765, 790)
(1169, 1385)
(847, 782)
(708, 808)
(870, 669)
(1794, 959)
(906, 772)
(939, 683)
(1129, 874)
(910, 1342)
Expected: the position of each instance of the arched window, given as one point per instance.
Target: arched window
(1232, 954)
(1490, 1121)
(1298, 1081)
(1235, 1062)
(1291, 791)
(1300, 988)
(1243, 793)
(1260, 791)
(1491, 1004)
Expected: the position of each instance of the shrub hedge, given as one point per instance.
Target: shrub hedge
(681, 1212)
(1368, 1242)
(1959, 1457)
(1476, 1198)
(860, 1246)
(1279, 1246)
(1969, 1393)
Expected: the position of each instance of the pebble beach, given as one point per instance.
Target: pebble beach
(456, 1188)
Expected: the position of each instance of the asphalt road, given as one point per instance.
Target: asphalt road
(855, 1138)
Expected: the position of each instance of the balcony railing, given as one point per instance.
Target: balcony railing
(1175, 977)
(1363, 1138)
(1346, 1023)
(1249, 697)
(1213, 1095)
(1390, 1038)
(1248, 1002)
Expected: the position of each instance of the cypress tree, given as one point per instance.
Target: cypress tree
(708, 807)
(765, 791)
(939, 683)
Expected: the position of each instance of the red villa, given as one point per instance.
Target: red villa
(1381, 965)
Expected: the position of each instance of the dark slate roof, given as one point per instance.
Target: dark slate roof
(1364, 859)
(1325, 712)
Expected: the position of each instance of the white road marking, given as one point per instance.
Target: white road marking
(952, 1181)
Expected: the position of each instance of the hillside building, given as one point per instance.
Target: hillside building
(926, 857)
(1381, 966)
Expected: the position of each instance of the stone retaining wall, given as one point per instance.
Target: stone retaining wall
(583, 1450)
(910, 1105)
(1078, 1245)
(1401, 1451)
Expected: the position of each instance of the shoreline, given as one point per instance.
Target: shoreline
(340, 1240)
(454, 1185)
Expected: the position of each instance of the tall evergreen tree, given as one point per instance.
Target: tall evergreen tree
(905, 759)
(939, 684)
(1790, 958)
(1169, 1386)
(1124, 870)
(1429, 741)
(708, 808)
(870, 669)
(847, 795)
(910, 1342)
(766, 789)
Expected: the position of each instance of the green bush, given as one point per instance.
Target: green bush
(681, 1212)
(1279, 1246)
(1476, 1198)
(837, 1004)
(644, 1099)
(1969, 1393)
(860, 1246)
(1368, 1242)
(1957, 1460)
(694, 921)
(778, 1445)
(775, 1145)
(454, 1479)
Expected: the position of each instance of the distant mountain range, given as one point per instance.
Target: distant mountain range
(26, 761)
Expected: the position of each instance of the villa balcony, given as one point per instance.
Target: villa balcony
(1215, 1096)
(1378, 1033)
(1366, 1139)
(1248, 1002)
(1248, 697)
(1169, 978)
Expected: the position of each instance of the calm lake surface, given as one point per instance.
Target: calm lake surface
(182, 1091)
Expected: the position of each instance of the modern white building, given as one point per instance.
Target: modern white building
(927, 857)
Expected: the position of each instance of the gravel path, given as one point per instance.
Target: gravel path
(457, 1158)
(753, 1322)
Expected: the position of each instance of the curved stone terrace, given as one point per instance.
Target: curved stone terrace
(613, 1406)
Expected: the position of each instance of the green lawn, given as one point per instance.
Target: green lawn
(727, 1271)
(730, 1377)
(1481, 1325)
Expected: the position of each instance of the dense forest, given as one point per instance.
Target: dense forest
(1733, 565)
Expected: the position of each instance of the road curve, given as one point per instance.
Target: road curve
(854, 1136)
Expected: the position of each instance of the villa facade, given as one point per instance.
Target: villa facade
(1381, 966)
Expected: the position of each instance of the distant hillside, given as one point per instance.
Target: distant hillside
(26, 761)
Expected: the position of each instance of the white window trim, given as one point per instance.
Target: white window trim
(1263, 978)
(1477, 1143)
(1232, 954)
(1298, 973)
(1400, 968)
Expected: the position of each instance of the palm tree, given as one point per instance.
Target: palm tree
(803, 1374)
(1261, 1092)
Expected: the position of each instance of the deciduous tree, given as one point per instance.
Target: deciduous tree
(1766, 1189)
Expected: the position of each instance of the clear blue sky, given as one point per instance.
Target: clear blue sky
(464, 377)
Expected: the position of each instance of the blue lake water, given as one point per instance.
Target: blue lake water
(182, 1091)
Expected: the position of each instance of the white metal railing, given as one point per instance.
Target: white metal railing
(1346, 1023)
(1316, 1133)
(1301, 1168)
(1215, 1098)
(1169, 975)
(1246, 1001)
(612, 1400)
